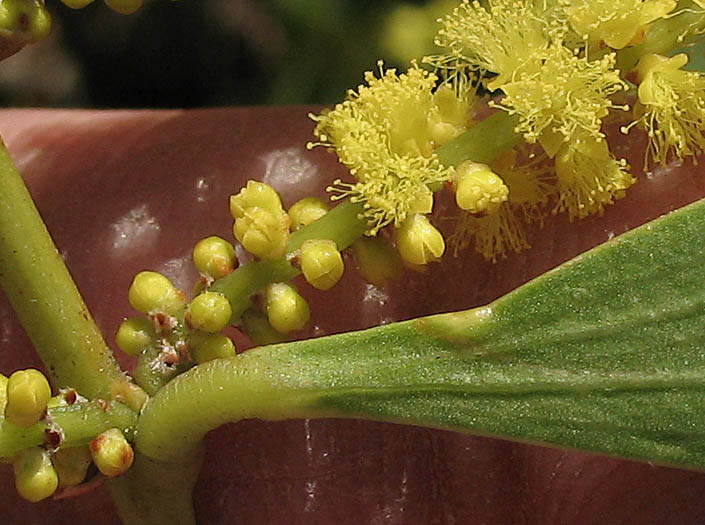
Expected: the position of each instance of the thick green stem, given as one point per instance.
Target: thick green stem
(78, 425)
(42, 292)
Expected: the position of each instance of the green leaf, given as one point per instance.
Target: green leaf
(606, 353)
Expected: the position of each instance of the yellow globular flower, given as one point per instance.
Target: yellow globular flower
(306, 211)
(377, 261)
(261, 224)
(111, 453)
(71, 464)
(673, 106)
(566, 96)
(617, 23)
(209, 311)
(478, 190)
(386, 134)
(35, 476)
(287, 311)
(321, 263)
(418, 241)
(152, 292)
(28, 393)
(589, 178)
(530, 186)
(505, 37)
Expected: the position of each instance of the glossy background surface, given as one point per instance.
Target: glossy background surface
(127, 191)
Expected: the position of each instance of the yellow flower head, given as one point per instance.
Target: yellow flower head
(566, 96)
(617, 23)
(386, 134)
(494, 235)
(673, 105)
(589, 178)
(503, 38)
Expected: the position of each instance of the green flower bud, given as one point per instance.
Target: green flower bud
(71, 465)
(212, 346)
(151, 292)
(286, 309)
(479, 190)
(35, 477)
(134, 335)
(321, 263)
(76, 4)
(255, 195)
(214, 257)
(28, 393)
(111, 453)
(418, 241)
(263, 233)
(306, 211)
(209, 311)
(377, 260)
(125, 7)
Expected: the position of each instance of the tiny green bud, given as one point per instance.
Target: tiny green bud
(209, 311)
(213, 346)
(28, 393)
(71, 465)
(151, 292)
(377, 260)
(418, 241)
(306, 211)
(263, 233)
(321, 263)
(134, 335)
(35, 477)
(286, 309)
(125, 7)
(111, 453)
(478, 190)
(214, 257)
(255, 195)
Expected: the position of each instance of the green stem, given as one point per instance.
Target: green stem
(78, 423)
(42, 292)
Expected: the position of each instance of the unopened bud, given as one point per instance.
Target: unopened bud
(28, 19)
(263, 233)
(71, 465)
(377, 260)
(214, 257)
(306, 211)
(35, 476)
(76, 4)
(209, 311)
(111, 453)
(321, 263)
(418, 241)
(151, 292)
(479, 190)
(134, 335)
(255, 195)
(286, 309)
(212, 346)
(125, 7)
(28, 393)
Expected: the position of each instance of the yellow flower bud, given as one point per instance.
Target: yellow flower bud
(418, 241)
(209, 311)
(26, 19)
(377, 260)
(71, 465)
(214, 257)
(111, 453)
(28, 393)
(479, 190)
(134, 335)
(76, 4)
(151, 292)
(35, 477)
(306, 211)
(255, 195)
(321, 263)
(286, 309)
(263, 233)
(125, 7)
(212, 346)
